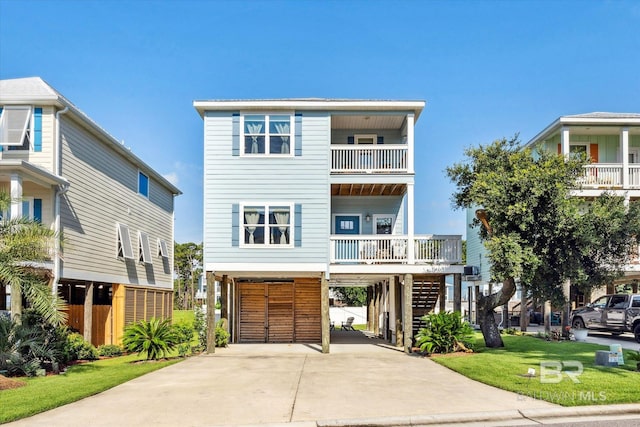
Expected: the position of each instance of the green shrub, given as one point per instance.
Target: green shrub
(222, 336)
(444, 333)
(184, 332)
(78, 349)
(156, 338)
(200, 326)
(109, 350)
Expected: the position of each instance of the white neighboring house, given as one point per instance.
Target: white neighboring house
(301, 194)
(114, 211)
(612, 142)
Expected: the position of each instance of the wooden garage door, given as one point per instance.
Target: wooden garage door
(252, 312)
(280, 312)
(307, 313)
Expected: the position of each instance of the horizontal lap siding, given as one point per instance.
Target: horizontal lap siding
(103, 192)
(372, 205)
(235, 179)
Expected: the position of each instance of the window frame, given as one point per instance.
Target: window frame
(123, 242)
(140, 173)
(27, 131)
(163, 250)
(372, 136)
(267, 134)
(267, 226)
(144, 249)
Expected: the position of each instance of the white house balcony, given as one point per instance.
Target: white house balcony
(610, 175)
(369, 159)
(393, 249)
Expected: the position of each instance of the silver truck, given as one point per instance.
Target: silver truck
(613, 313)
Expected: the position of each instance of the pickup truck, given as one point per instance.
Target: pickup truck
(614, 313)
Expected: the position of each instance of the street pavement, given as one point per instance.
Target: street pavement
(362, 382)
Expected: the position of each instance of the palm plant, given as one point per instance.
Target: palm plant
(444, 333)
(24, 243)
(156, 338)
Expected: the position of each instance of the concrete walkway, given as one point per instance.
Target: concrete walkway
(251, 384)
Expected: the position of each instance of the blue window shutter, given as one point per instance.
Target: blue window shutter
(235, 134)
(37, 129)
(0, 116)
(37, 210)
(350, 140)
(298, 135)
(235, 225)
(297, 239)
(381, 140)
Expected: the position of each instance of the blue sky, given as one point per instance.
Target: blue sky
(487, 69)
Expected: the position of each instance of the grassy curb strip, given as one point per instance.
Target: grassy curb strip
(507, 368)
(80, 381)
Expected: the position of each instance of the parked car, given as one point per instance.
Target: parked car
(614, 313)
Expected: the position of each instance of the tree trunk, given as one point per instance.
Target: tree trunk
(16, 303)
(486, 319)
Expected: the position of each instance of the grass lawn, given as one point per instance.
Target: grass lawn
(504, 368)
(44, 393)
(180, 316)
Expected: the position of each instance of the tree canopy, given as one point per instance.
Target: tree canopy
(537, 232)
(188, 269)
(24, 245)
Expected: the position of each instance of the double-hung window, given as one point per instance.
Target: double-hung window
(265, 134)
(15, 127)
(267, 225)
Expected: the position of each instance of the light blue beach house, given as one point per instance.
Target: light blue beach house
(303, 194)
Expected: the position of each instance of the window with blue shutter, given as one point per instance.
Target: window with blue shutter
(298, 135)
(37, 210)
(298, 225)
(235, 134)
(37, 129)
(235, 225)
(381, 140)
(350, 140)
(143, 184)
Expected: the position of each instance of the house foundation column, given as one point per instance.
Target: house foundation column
(408, 313)
(211, 313)
(224, 303)
(325, 321)
(442, 295)
(457, 293)
(88, 311)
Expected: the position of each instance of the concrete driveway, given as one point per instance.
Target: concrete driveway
(251, 384)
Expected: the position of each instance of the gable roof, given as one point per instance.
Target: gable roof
(34, 90)
(587, 119)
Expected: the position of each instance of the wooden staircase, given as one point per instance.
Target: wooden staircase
(425, 297)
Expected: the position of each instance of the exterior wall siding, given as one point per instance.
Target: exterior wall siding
(476, 252)
(343, 205)
(339, 136)
(46, 195)
(103, 192)
(232, 179)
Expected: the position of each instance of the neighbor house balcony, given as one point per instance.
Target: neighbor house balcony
(393, 249)
(363, 159)
(610, 175)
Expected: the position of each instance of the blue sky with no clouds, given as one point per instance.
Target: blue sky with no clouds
(487, 69)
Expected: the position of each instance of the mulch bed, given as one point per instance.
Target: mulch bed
(9, 383)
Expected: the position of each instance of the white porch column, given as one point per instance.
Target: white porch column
(16, 196)
(410, 142)
(564, 140)
(411, 246)
(624, 145)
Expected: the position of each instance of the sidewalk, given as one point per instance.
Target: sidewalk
(363, 383)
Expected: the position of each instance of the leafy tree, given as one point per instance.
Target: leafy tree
(23, 244)
(534, 230)
(351, 296)
(188, 269)
(156, 338)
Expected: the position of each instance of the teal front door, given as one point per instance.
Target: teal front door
(347, 249)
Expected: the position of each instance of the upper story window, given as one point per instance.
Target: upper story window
(265, 134)
(267, 225)
(15, 127)
(143, 184)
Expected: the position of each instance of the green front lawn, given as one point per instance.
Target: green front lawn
(506, 368)
(44, 393)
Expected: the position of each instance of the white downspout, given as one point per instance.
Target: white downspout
(60, 190)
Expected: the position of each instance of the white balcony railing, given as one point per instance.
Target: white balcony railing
(634, 176)
(602, 175)
(378, 249)
(368, 159)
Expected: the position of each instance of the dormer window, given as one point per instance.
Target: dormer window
(15, 127)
